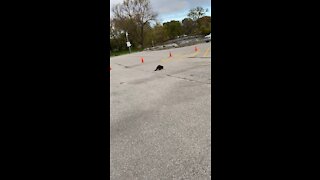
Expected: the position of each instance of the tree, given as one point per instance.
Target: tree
(173, 29)
(204, 25)
(117, 35)
(196, 13)
(159, 34)
(148, 35)
(188, 26)
(136, 12)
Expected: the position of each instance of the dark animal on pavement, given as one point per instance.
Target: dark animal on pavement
(159, 67)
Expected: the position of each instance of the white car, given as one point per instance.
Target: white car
(207, 38)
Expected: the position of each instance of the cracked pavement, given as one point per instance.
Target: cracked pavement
(161, 120)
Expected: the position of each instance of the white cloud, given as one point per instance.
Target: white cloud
(169, 6)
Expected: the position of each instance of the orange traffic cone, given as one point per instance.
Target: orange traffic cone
(170, 55)
(142, 60)
(195, 48)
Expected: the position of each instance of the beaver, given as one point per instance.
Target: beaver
(159, 67)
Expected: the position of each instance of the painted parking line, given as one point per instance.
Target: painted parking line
(206, 53)
(190, 55)
(179, 56)
(196, 53)
(167, 59)
(174, 57)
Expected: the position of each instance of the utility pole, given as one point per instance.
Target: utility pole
(128, 43)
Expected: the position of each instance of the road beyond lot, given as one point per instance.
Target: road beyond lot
(161, 120)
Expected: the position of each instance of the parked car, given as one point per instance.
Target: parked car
(207, 38)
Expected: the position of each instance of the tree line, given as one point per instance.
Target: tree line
(140, 21)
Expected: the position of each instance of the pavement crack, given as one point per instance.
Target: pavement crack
(122, 65)
(169, 75)
(183, 78)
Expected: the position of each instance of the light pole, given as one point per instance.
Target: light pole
(128, 43)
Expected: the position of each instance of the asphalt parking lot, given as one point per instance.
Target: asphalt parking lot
(161, 120)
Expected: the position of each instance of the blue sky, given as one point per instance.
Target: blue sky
(173, 9)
